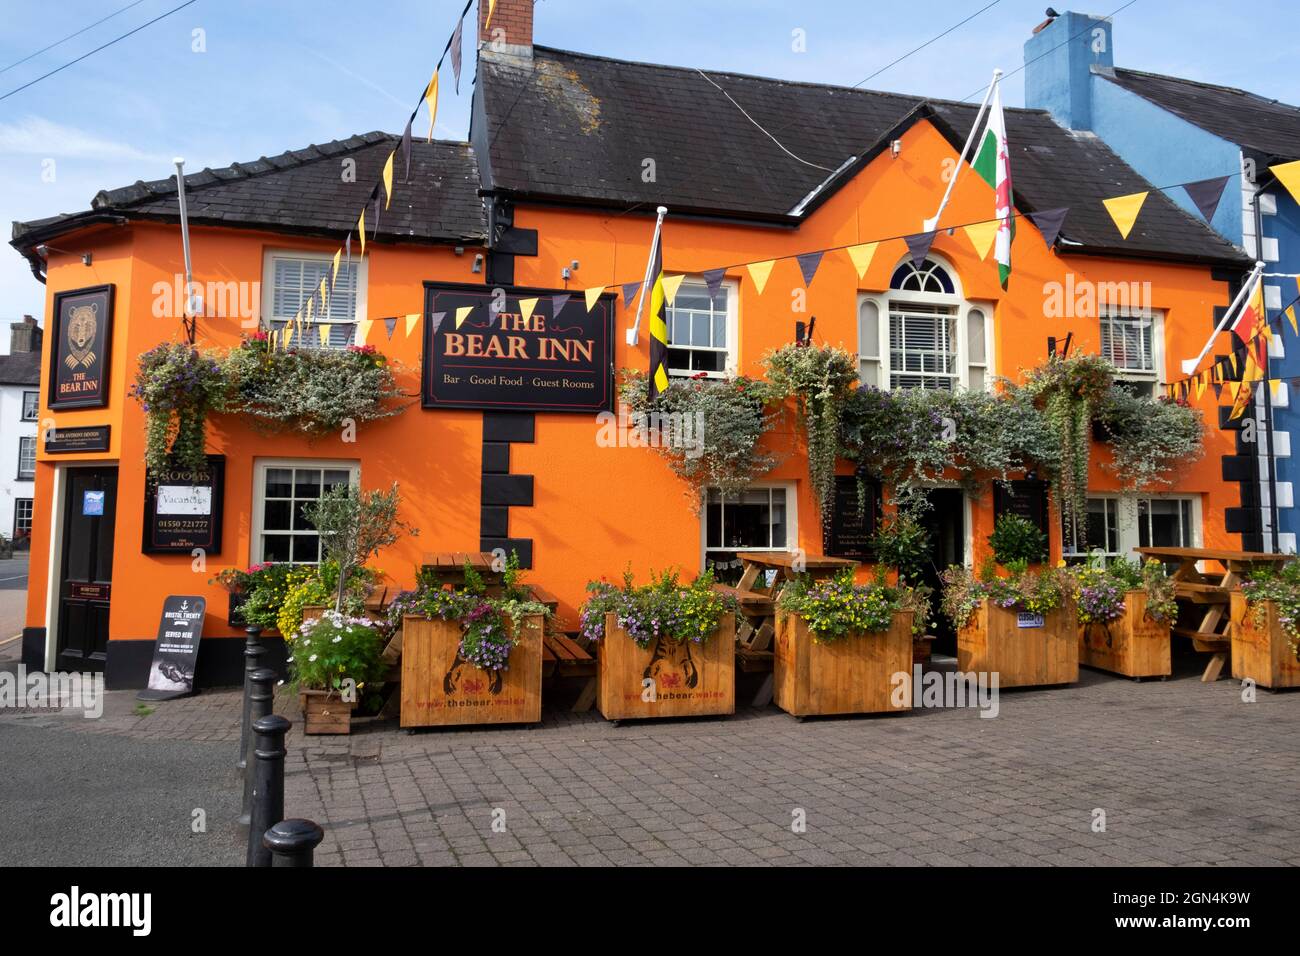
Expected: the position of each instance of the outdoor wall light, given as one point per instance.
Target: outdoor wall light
(478, 263)
(895, 147)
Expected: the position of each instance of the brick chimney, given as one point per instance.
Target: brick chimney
(25, 336)
(511, 30)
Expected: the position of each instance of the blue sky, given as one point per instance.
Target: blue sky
(279, 74)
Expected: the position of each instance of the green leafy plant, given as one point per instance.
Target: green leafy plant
(316, 391)
(336, 648)
(1017, 539)
(662, 608)
(1037, 592)
(902, 543)
(178, 386)
(838, 607)
(353, 526)
(707, 429)
(1071, 391)
(820, 379)
(1281, 585)
(1149, 437)
(265, 587)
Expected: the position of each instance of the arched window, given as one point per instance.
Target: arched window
(923, 333)
(929, 276)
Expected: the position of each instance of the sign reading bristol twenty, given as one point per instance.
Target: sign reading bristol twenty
(513, 349)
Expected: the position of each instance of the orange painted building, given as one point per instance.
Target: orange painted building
(560, 181)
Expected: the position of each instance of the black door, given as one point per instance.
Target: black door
(86, 579)
(946, 522)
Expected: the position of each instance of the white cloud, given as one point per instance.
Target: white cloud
(34, 136)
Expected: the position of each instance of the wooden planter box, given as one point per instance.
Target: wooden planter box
(993, 640)
(689, 680)
(325, 712)
(439, 688)
(1132, 644)
(852, 675)
(1261, 652)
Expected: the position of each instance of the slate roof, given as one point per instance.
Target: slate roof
(1269, 126)
(302, 192)
(576, 127)
(20, 368)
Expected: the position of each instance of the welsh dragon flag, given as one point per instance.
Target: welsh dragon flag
(993, 164)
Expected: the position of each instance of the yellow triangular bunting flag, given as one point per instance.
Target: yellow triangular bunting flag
(412, 321)
(388, 179)
(462, 314)
(526, 307)
(1274, 385)
(861, 256)
(324, 330)
(671, 285)
(431, 100)
(1200, 387)
(593, 296)
(363, 330)
(492, 5)
(1290, 315)
(311, 305)
(982, 234)
(1288, 174)
(334, 271)
(759, 272)
(1124, 211)
(361, 231)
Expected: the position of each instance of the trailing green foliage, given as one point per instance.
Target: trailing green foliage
(820, 379)
(1150, 438)
(707, 429)
(178, 386)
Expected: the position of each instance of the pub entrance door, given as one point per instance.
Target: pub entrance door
(86, 573)
(945, 520)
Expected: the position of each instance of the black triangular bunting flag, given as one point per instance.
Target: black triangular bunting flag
(1206, 194)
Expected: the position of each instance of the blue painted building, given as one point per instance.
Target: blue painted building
(1176, 131)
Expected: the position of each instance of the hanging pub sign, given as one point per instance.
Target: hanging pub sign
(516, 349)
(82, 333)
(182, 509)
(849, 532)
(177, 650)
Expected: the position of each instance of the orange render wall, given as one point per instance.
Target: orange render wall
(596, 510)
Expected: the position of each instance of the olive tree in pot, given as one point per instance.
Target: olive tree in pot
(354, 525)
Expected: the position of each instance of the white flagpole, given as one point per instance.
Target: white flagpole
(190, 318)
(1247, 289)
(633, 334)
(930, 224)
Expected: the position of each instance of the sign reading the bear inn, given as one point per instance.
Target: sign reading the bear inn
(83, 322)
(517, 350)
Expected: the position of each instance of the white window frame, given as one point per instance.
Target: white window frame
(731, 288)
(26, 441)
(1127, 509)
(360, 263)
(957, 301)
(1155, 377)
(31, 515)
(260, 468)
(36, 405)
(791, 520)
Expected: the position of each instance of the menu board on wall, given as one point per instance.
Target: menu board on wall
(182, 509)
(81, 336)
(514, 349)
(851, 526)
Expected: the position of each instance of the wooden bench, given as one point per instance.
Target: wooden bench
(564, 656)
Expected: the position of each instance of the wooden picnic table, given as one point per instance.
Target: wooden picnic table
(449, 566)
(757, 600)
(1213, 591)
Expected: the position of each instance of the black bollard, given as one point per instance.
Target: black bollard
(293, 842)
(261, 700)
(253, 652)
(268, 785)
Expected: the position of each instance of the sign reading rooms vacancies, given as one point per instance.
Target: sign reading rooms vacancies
(535, 350)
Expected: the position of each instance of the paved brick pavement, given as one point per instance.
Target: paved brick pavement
(1186, 773)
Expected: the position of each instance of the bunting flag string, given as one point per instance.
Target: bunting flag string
(304, 317)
